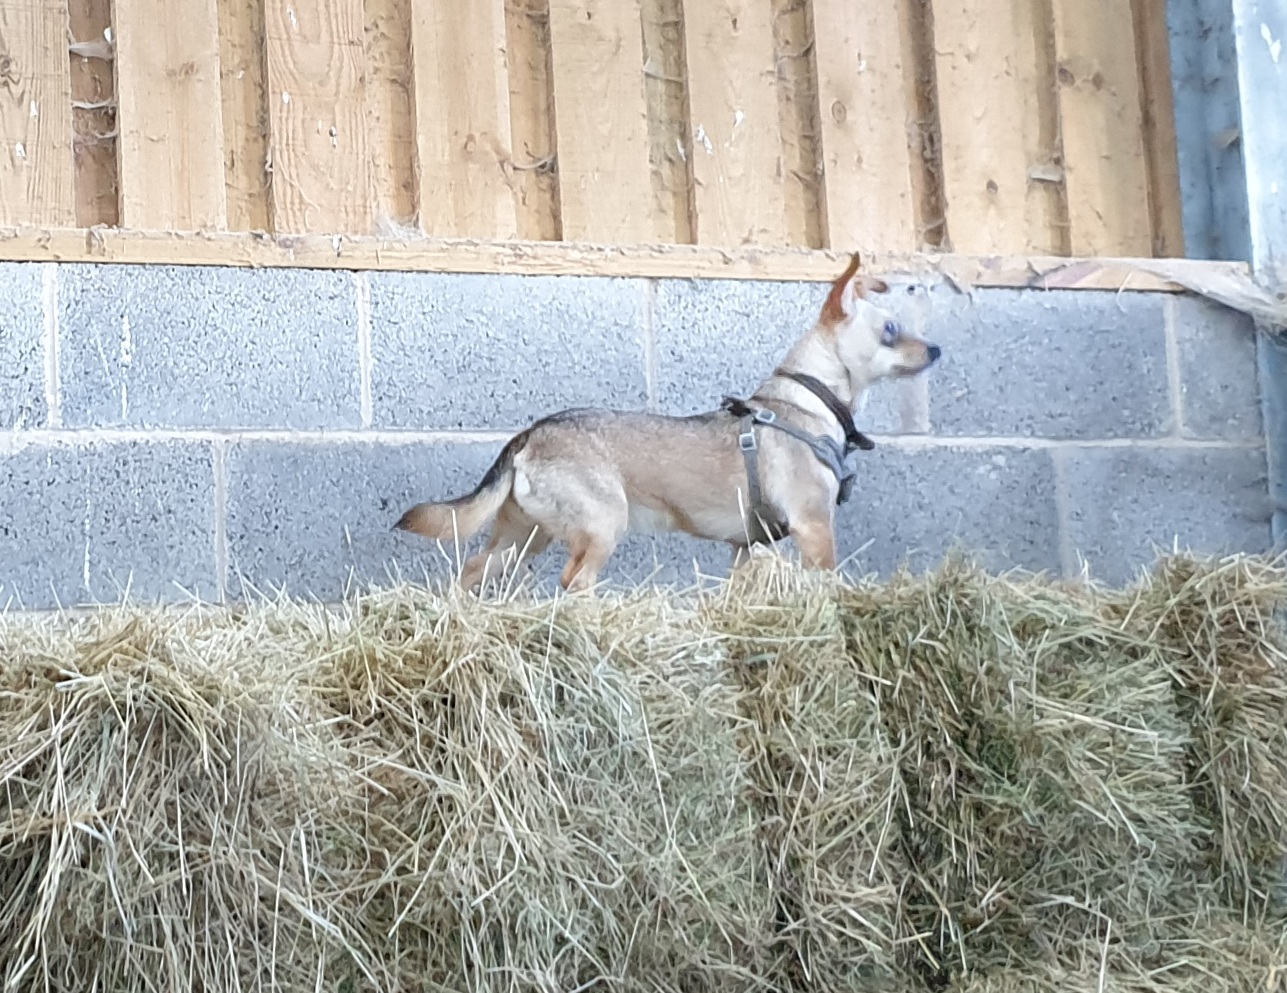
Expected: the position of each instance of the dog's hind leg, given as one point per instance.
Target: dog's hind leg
(590, 553)
(514, 541)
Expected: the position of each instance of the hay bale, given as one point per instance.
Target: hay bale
(790, 782)
(161, 825)
(1041, 757)
(558, 799)
(827, 776)
(1215, 626)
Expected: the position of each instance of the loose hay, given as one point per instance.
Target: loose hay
(791, 782)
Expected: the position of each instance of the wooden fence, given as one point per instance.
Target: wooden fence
(971, 126)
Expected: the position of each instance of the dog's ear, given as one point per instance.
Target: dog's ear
(874, 285)
(843, 293)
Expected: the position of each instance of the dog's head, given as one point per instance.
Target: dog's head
(869, 341)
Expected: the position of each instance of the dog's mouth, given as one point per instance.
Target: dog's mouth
(932, 354)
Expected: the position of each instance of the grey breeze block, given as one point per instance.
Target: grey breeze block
(208, 347)
(82, 523)
(479, 352)
(22, 350)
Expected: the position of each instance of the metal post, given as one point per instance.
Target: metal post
(1229, 77)
(1260, 41)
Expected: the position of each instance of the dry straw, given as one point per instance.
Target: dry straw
(789, 782)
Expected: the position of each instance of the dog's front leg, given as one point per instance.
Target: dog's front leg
(817, 542)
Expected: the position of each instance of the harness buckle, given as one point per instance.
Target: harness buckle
(765, 416)
(746, 441)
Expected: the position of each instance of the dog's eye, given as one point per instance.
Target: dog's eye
(890, 334)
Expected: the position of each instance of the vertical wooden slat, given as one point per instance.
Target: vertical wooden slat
(798, 124)
(531, 115)
(245, 114)
(604, 185)
(1001, 171)
(391, 119)
(737, 146)
(463, 119)
(670, 139)
(321, 180)
(867, 109)
(36, 185)
(1103, 129)
(93, 92)
(1153, 46)
(171, 116)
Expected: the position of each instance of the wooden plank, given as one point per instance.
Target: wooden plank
(1153, 52)
(245, 114)
(321, 180)
(171, 116)
(1103, 128)
(1001, 172)
(641, 261)
(867, 111)
(737, 144)
(670, 138)
(601, 121)
(93, 92)
(798, 122)
(462, 119)
(531, 116)
(391, 119)
(36, 177)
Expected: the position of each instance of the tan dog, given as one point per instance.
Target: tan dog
(749, 473)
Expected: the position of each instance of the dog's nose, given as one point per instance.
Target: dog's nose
(934, 352)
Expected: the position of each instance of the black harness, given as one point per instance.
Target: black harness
(764, 525)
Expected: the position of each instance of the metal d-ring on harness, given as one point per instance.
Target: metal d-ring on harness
(825, 449)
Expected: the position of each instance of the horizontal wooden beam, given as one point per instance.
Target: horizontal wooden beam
(562, 258)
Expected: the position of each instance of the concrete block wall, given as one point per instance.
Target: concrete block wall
(204, 431)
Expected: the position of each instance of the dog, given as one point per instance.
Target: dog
(751, 473)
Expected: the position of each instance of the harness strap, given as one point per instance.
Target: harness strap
(763, 525)
(854, 439)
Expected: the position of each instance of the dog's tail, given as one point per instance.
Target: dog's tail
(463, 517)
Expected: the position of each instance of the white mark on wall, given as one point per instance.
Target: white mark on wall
(53, 388)
(679, 145)
(107, 35)
(35, 111)
(294, 21)
(703, 139)
(1275, 44)
(20, 151)
(127, 359)
(285, 97)
(88, 528)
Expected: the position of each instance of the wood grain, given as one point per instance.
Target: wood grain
(463, 119)
(321, 180)
(867, 114)
(36, 175)
(1103, 128)
(737, 141)
(245, 114)
(605, 190)
(1002, 173)
(171, 116)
